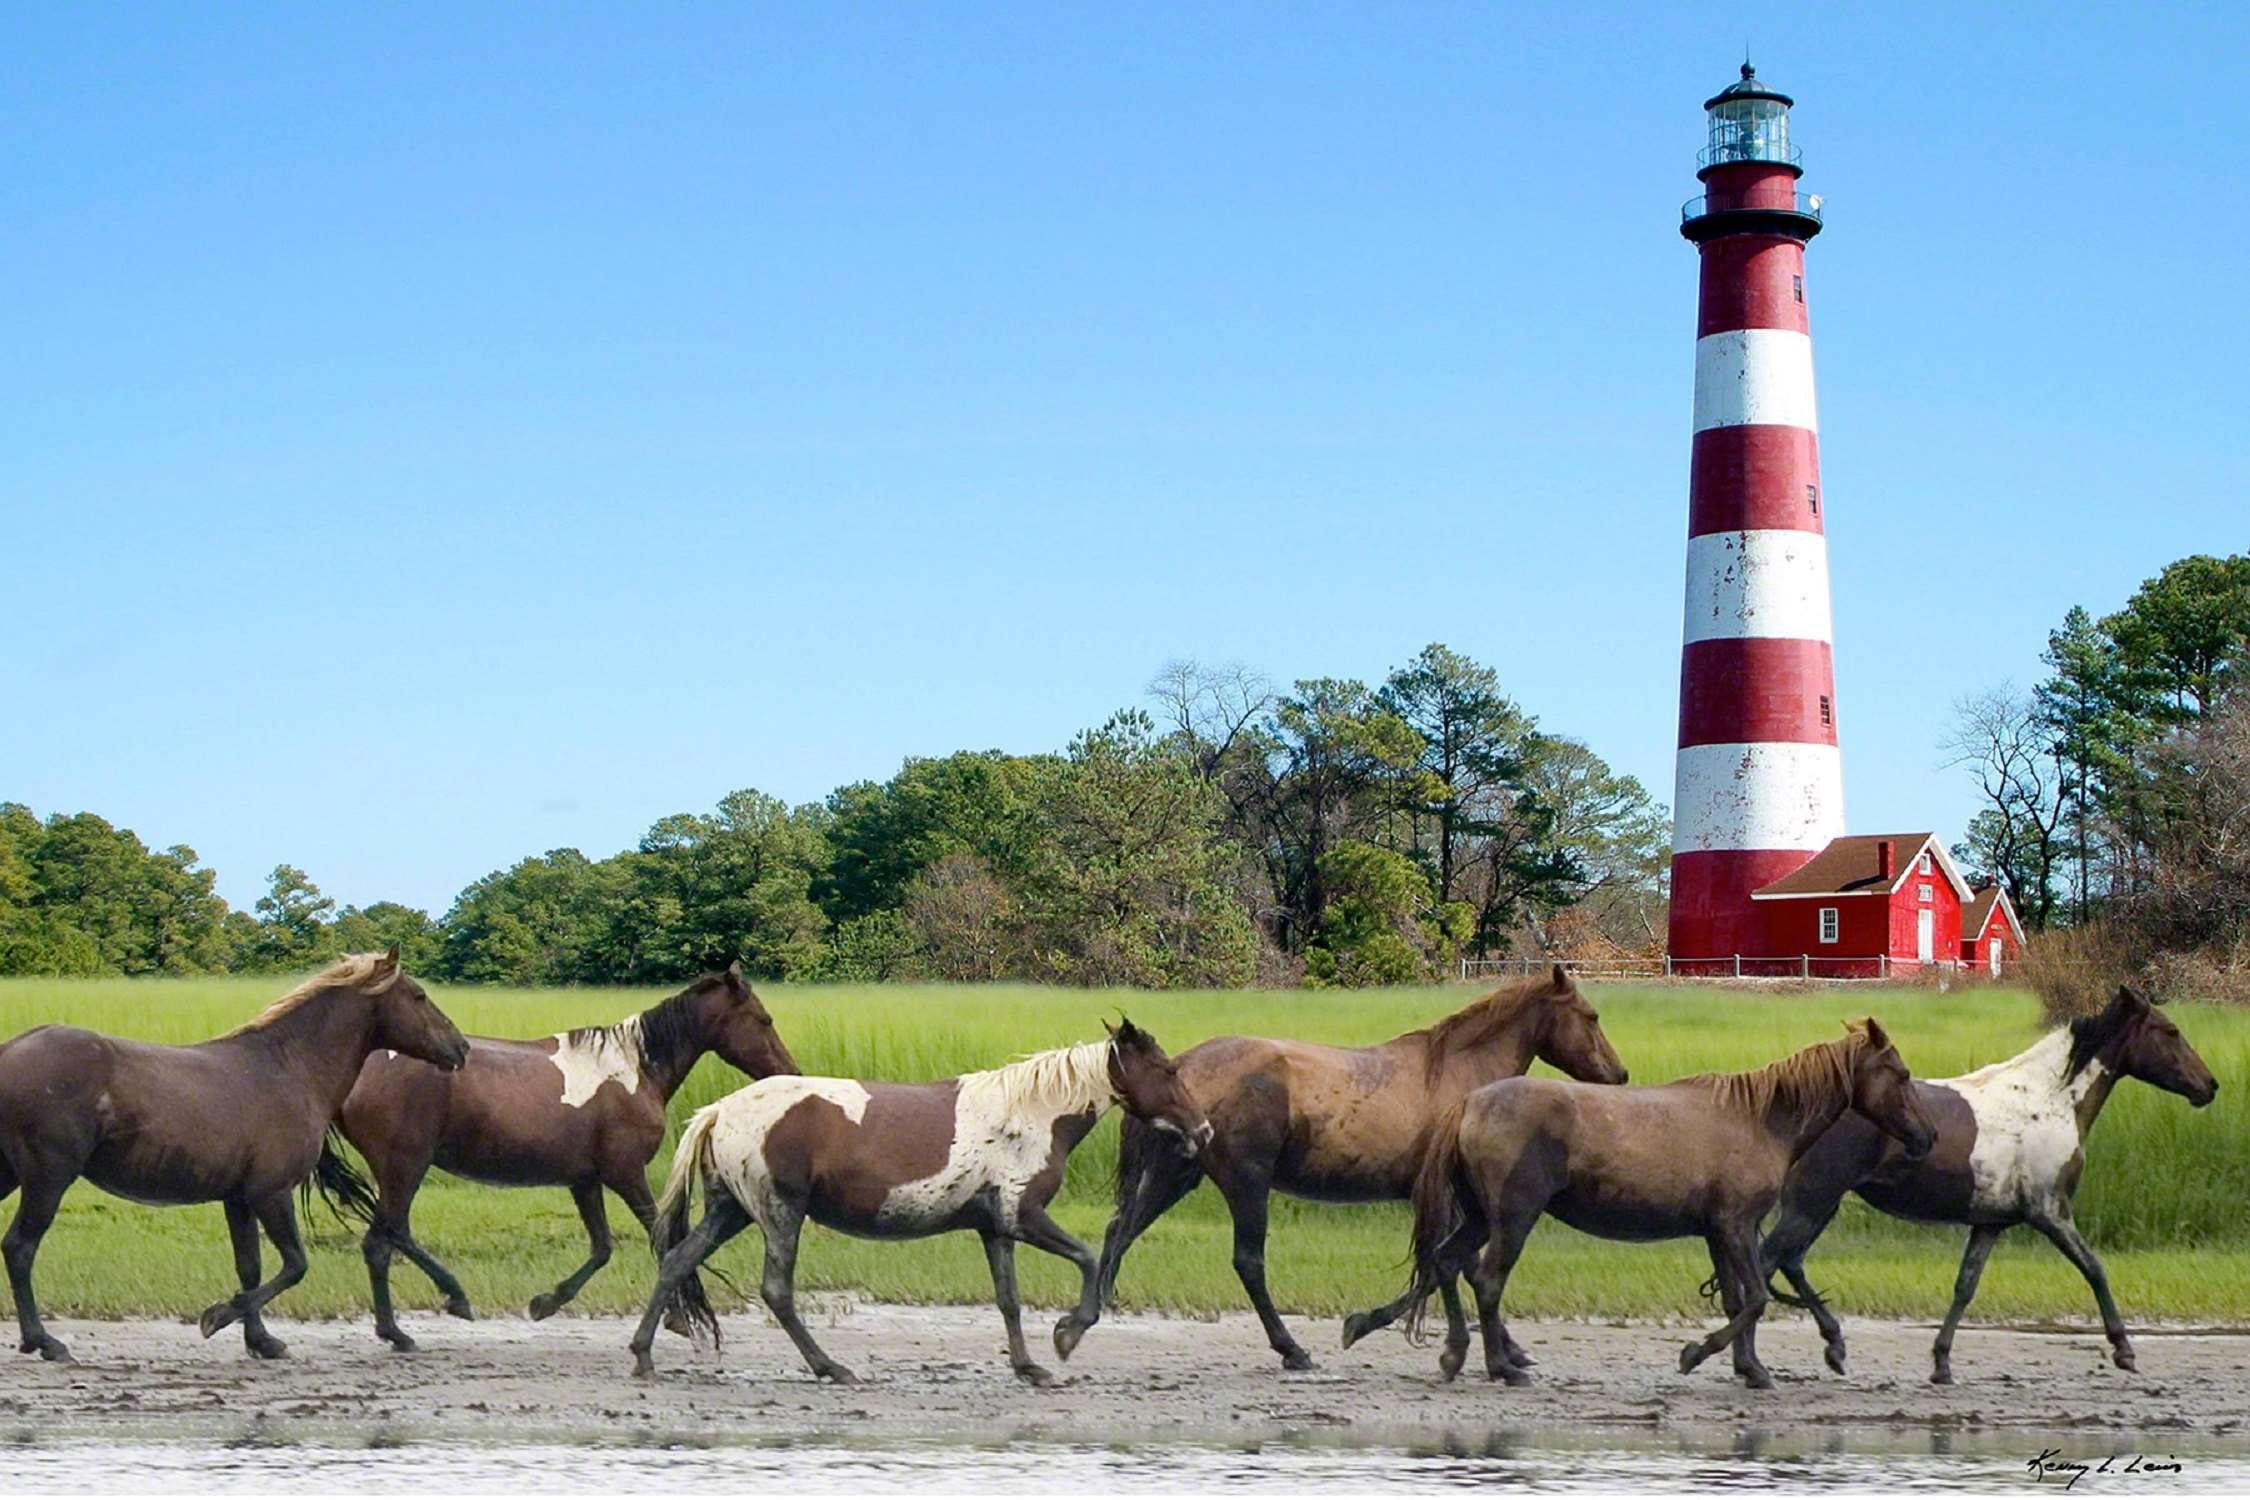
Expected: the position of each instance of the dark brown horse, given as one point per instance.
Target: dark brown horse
(1342, 1124)
(2010, 1146)
(240, 1119)
(984, 1151)
(582, 1110)
(1704, 1157)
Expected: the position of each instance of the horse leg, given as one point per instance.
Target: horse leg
(1456, 1351)
(1488, 1278)
(782, 1224)
(1000, 1255)
(1167, 1175)
(723, 1219)
(2062, 1230)
(1981, 1240)
(1734, 1260)
(247, 1305)
(1803, 1218)
(396, 1185)
(35, 1210)
(1246, 1201)
(1458, 1250)
(1037, 1230)
(595, 1213)
(1749, 1287)
(631, 1184)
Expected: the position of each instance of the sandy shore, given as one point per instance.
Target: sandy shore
(942, 1371)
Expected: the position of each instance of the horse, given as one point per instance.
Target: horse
(1342, 1124)
(1702, 1156)
(241, 1118)
(2010, 1147)
(582, 1109)
(984, 1151)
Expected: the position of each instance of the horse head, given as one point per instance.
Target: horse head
(408, 1021)
(1571, 1036)
(2148, 1046)
(1148, 1086)
(1883, 1090)
(738, 1027)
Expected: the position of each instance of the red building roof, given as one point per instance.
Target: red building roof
(1977, 915)
(1854, 866)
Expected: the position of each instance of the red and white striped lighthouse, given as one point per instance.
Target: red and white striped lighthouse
(1760, 785)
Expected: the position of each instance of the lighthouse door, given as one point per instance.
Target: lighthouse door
(1925, 935)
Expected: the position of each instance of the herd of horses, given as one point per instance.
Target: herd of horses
(1445, 1118)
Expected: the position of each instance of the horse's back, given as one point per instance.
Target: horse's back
(47, 1070)
(839, 1144)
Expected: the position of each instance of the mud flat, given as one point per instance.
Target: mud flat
(940, 1373)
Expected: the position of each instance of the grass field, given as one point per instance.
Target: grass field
(2166, 1196)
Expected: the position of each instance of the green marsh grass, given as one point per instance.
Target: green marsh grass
(2166, 1194)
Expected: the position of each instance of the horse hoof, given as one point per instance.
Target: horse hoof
(1068, 1331)
(543, 1306)
(1941, 1376)
(458, 1307)
(835, 1372)
(215, 1318)
(1514, 1376)
(1757, 1380)
(268, 1347)
(1035, 1375)
(644, 1368)
(1355, 1328)
(677, 1323)
(1835, 1358)
(401, 1343)
(1297, 1359)
(1691, 1355)
(49, 1348)
(2124, 1359)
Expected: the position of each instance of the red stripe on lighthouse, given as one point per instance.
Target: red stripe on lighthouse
(1752, 281)
(1754, 478)
(1750, 690)
(1712, 914)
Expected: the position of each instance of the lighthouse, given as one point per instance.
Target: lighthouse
(1759, 787)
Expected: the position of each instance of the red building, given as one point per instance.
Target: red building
(1862, 907)
(1990, 934)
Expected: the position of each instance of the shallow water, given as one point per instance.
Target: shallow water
(271, 1457)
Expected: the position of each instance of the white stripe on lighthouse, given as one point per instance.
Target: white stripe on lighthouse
(1757, 583)
(1763, 796)
(1755, 375)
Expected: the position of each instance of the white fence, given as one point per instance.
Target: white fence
(1875, 968)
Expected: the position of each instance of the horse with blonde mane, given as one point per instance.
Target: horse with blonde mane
(984, 1151)
(1704, 1156)
(240, 1118)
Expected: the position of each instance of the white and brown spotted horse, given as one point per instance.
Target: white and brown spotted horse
(2010, 1146)
(984, 1151)
(583, 1110)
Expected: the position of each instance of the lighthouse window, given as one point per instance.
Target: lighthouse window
(1797, 284)
(1812, 497)
(1828, 924)
(1827, 712)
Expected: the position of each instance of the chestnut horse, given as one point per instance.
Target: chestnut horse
(582, 1110)
(2010, 1145)
(984, 1151)
(240, 1118)
(1342, 1124)
(1704, 1157)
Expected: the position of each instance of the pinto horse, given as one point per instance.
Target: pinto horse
(984, 1151)
(582, 1110)
(240, 1118)
(1704, 1156)
(2010, 1147)
(1342, 1124)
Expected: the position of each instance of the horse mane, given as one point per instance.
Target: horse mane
(1065, 1081)
(1478, 1022)
(662, 1034)
(2089, 1034)
(1798, 1083)
(352, 971)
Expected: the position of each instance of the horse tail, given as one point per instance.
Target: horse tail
(691, 1161)
(1440, 1188)
(341, 1185)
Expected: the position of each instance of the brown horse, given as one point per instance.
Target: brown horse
(1704, 1156)
(1342, 1124)
(984, 1151)
(240, 1118)
(2010, 1146)
(582, 1110)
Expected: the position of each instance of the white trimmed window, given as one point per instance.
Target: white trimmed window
(1828, 924)
(1922, 866)
(1924, 893)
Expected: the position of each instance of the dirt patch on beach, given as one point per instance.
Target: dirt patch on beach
(941, 1370)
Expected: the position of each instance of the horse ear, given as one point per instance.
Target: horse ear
(1875, 1034)
(734, 970)
(1111, 1030)
(1562, 977)
(389, 960)
(2131, 999)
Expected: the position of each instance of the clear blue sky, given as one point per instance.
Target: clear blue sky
(438, 434)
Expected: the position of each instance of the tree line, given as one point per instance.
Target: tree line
(2116, 791)
(1227, 832)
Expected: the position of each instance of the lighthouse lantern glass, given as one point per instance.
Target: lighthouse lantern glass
(1748, 130)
